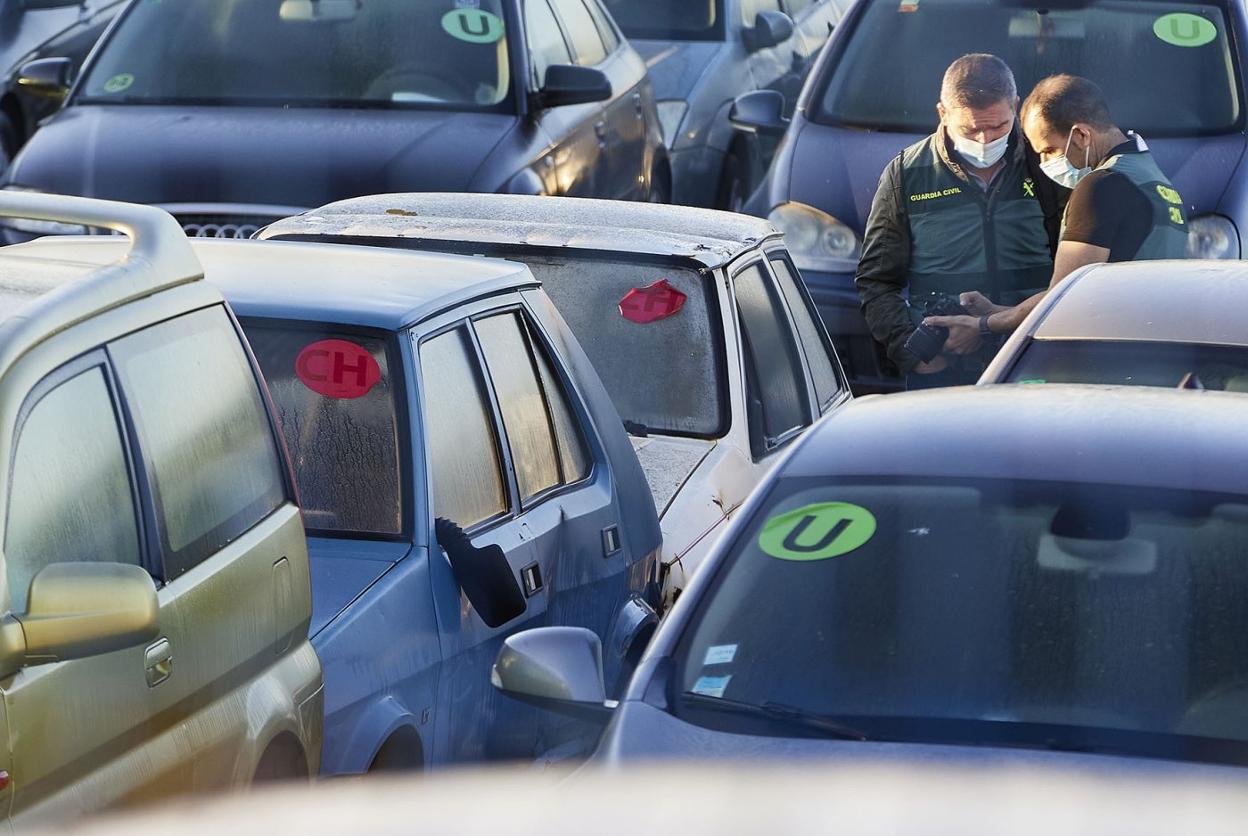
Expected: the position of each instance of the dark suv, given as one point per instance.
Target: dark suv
(233, 113)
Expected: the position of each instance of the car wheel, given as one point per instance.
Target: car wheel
(736, 179)
(660, 187)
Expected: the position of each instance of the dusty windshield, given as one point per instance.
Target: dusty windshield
(914, 608)
(1166, 67)
(669, 20)
(1130, 363)
(417, 53)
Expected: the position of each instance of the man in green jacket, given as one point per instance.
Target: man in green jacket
(965, 209)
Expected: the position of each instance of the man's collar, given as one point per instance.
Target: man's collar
(1014, 152)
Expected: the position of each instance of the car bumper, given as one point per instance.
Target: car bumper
(696, 175)
(836, 298)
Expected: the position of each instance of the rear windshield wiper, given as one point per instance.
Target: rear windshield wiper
(781, 713)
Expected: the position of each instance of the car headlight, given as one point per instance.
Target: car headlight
(33, 227)
(671, 113)
(1212, 236)
(816, 240)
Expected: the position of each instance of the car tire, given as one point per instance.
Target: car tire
(737, 178)
(8, 141)
(660, 187)
(283, 760)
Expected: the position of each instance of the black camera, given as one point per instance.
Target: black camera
(927, 340)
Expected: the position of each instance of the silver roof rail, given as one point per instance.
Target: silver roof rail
(159, 257)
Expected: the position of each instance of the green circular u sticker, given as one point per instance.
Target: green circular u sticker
(817, 532)
(1185, 29)
(473, 25)
(118, 83)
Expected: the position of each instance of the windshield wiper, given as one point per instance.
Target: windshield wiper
(781, 713)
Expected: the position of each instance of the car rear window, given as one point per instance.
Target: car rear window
(335, 399)
(669, 20)
(1133, 364)
(664, 375)
(1167, 68)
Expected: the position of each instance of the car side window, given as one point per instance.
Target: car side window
(777, 385)
(464, 460)
(751, 8)
(204, 433)
(820, 356)
(586, 41)
(796, 7)
(545, 447)
(71, 498)
(546, 43)
(605, 27)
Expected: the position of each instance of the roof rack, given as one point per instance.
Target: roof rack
(159, 257)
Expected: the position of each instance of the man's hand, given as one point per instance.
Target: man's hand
(963, 332)
(977, 304)
(937, 364)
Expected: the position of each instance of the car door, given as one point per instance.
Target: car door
(470, 483)
(778, 67)
(576, 147)
(228, 535)
(94, 732)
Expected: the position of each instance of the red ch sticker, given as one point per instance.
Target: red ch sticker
(652, 302)
(337, 369)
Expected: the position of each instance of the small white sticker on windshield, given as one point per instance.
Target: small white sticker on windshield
(712, 686)
(720, 654)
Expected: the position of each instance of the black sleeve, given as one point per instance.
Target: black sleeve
(1106, 209)
(882, 270)
(1052, 197)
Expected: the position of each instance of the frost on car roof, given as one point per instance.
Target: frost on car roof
(24, 279)
(705, 235)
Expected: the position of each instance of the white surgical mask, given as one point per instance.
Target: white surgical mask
(1060, 169)
(981, 154)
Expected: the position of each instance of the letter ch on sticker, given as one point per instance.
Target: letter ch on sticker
(817, 532)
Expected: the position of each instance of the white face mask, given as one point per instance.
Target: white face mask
(981, 154)
(1060, 169)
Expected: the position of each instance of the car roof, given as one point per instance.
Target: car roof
(710, 237)
(350, 285)
(1157, 301)
(1126, 435)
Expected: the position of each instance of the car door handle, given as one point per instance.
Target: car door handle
(641, 111)
(158, 661)
(601, 130)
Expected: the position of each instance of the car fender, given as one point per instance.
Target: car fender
(375, 725)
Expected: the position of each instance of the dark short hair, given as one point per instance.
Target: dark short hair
(1061, 101)
(978, 80)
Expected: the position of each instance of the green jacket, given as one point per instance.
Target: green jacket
(934, 229)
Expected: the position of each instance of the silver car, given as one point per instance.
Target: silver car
(1154, 323)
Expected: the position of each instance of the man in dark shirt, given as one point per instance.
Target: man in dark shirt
(1123, 207)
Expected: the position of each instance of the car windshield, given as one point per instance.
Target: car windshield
(1134, 364)
(362, 53)
(1166, 67)
(1065, 615)
(336, 400)
(669, 20)
(665, 374)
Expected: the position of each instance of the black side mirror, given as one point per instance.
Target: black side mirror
(47, 77)
(483, 574)
(567, 84)
(771, 28)
(759, 112)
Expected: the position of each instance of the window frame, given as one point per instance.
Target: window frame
(842, 384)
(403, 425)
(171, 564)
(571, 41)
(143, 511)
(760, 447)
(538, 83)
(612, 38)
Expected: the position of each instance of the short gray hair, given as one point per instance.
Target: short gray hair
(977, 81)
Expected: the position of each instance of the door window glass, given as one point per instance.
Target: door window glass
(604, 25)
(344, 444)
(819, 353)
(777, 376)
(204, 431)
(460, 437)
(751, 8)
(71, 498)
(573, 462)
(546, 43)
(520, 399)
(585, 38)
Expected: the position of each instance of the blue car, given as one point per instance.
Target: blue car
(1063, 586)
(1172, 70)
(462, 475)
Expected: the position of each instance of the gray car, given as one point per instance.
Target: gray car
(703, 53)
(1007, 575)
(1127, 324)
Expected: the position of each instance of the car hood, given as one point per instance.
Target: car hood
(342, 570)
(676, 66)
(641, 732)
(837, 169)
(256, 155)
(668, 462)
